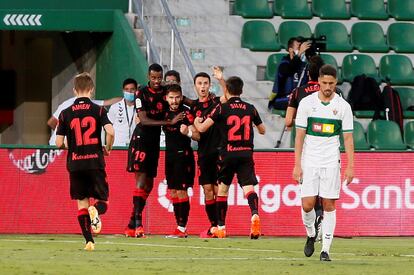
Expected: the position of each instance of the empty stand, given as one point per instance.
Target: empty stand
(407, 100)
(401, 37)
(259, 36)
(330, 9)
(385, 135)
(368, 37)
(369, 9)
(272, 65)
(329, 59)
(289, 29)
(396, 69)
(296, 9)
(357, 64)
(337, 39)
(409, 134)
(401, 9)
(253, 8)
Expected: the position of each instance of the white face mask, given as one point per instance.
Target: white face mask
(296, 52)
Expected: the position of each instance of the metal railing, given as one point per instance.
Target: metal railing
(136, 6)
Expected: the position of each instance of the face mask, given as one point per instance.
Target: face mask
(296, 52)
(129, 96)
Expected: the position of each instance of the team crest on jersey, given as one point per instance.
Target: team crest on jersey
(335, 111)
(159, 106)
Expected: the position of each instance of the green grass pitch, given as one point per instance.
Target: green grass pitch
(115, 254)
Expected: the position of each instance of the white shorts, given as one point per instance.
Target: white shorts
(323, 182)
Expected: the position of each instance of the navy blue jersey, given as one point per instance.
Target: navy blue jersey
(81, 123)
(174, 140)
(210, 140)
(235, 120)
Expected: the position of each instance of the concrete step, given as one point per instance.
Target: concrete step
(188, 7)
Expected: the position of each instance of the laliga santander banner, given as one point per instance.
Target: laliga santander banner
(34, 196)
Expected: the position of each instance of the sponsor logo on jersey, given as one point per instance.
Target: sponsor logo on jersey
(323, 128)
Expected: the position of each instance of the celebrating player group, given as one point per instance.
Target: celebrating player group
(224, 129)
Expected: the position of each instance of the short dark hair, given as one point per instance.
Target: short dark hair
(327, 70)
(174, 88)
(202, 74)
(130, 81)
(234, 85)
(173, 73)
(155, 68)
(315, 64)
(292, 40)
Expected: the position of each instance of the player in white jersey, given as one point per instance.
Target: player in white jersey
(320, 120)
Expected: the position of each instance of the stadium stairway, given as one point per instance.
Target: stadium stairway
(212, 37)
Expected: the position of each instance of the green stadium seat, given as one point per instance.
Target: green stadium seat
(396, 69)
(259, 36)
(360, 141)
(292, 9)
(409, 134)
(330, 59)
(357, 64)
(407, 100)
(281, 113)
(330, 9)
(401, 9)
(337, 39)
(289, 29)
(368, 37)
(385, 135)
(253, 8)
(272, 65)
(369, 9)
(400, 37)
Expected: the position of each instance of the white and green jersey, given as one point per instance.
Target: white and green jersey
(324, 122)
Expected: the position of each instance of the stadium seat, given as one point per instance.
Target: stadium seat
(330, 59)
(368, 37)
(409, 134)
(337, 39)
(295, 9)
(330, 9)
(289, 29)
(396, 69)
(400, 37)
(401, 9)
(357, 64)
(369, 9)
(385, 135)
(360, 141)
(253, 9)
(407, 100)
(259, 36)
(281, 113)
(272, 65)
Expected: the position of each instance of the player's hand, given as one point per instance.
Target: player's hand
(349, 175)
(304, 46)
(297, 174)
(106, 151)
(184, 129)
(137, 120)
(178, 118)
(217, 73)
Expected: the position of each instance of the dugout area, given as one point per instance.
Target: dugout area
(44, 44)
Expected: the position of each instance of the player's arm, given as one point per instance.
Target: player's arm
(290, 116)
(109, 138)
(261, 129)
(52, 122)
(143, 118)
(109, 102)
(257, 121)
(218, 74)
(60, 142)
(60, 133)
(301, 125)
(190, 131)
(203, 126)
(347, 128)
(349, 149)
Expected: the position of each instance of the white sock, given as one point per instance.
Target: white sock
(309, 222)
(328, 229)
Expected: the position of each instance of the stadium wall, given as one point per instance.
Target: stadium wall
(34, 196)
